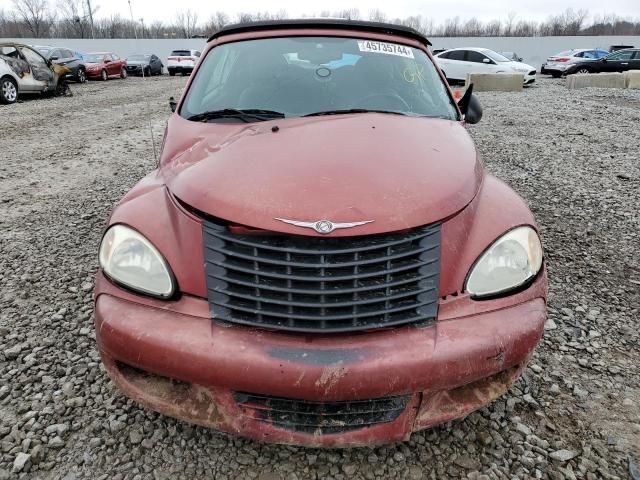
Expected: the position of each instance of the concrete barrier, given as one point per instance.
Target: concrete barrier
(598, 80)
(632, 79)
(495, 82)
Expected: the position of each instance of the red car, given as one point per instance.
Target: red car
(104, 65)
(320, 257)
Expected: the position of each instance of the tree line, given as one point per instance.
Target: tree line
(81, 19)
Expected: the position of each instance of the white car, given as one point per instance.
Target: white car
(24, 70)
(457, 63)
(182, 61)
(558, 63)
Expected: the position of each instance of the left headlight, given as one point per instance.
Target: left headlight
(509, 263)
(128, 258)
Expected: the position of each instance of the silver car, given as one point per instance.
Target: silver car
(558, 63)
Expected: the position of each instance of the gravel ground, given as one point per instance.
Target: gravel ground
(574, 414)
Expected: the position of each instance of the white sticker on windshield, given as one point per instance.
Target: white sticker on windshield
(386, 48)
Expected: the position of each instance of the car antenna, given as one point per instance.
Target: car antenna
(144, 79)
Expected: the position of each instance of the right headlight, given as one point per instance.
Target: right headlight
(509, 263)
(128, 258)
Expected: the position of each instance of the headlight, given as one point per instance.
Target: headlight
(131, 260)
(510, 262)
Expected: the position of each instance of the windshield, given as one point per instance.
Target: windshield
(139, 58)
(94, 57)
(495, 56)
(305, 75)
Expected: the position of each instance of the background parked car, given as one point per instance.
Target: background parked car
(24, 70)
(558, 63)
(513, 56)
(144, 64)
(457, 63)
(102, 65)
(182, 61)
(619, 61)
(66, 57)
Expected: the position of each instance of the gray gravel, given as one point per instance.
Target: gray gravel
(575, 414)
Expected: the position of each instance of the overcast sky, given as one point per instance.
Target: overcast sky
(437, 9)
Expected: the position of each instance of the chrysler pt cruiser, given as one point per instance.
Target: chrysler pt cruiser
(319, 257)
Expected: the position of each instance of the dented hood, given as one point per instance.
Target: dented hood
(399, 172)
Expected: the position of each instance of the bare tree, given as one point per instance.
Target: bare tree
(508, 26)
(187, 22)
(75, 18)
(215, 23)
(34, 14)
(472, 28)
(377, 15)
(493, 28)
(452, 27)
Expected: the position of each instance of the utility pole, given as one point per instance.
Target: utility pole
(90, 17)
(135, 29)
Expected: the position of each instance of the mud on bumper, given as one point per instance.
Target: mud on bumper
(231, 412)
(357, 389)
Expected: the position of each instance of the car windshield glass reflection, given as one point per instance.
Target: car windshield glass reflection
(307, 75)
(93, 58)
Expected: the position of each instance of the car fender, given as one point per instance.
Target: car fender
(495, 210)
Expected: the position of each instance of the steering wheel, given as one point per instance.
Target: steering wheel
(394, 98)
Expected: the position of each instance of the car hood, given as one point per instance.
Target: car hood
(521, 66)
(398, 172)
(90, 64)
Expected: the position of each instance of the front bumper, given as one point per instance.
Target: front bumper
(556, 67)
(135, 69)
(181, 68)
(174, 359)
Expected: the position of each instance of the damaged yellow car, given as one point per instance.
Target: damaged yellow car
(23, 70)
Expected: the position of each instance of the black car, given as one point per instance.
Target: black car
(619, 61)
(66, 57)
(146, 64)
(615, 48)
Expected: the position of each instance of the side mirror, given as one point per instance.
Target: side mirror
(470, 106)
(53, 58)
(520, 59)
(106, 60)
(486, 60)
(173, 104)
(603, 60)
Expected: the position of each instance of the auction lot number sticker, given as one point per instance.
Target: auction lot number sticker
(386, 48)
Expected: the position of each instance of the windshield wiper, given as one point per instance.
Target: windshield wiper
(246, 115)
(349, 111)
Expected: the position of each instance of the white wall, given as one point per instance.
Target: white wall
(534, 50)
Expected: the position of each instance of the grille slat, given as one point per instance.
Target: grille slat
(326, 304)
(281, 246)
(326, 278)
(320, 417)
(329, 318)
(330, 284)
(321, 265)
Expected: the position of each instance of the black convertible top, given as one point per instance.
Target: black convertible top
(321, 23)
